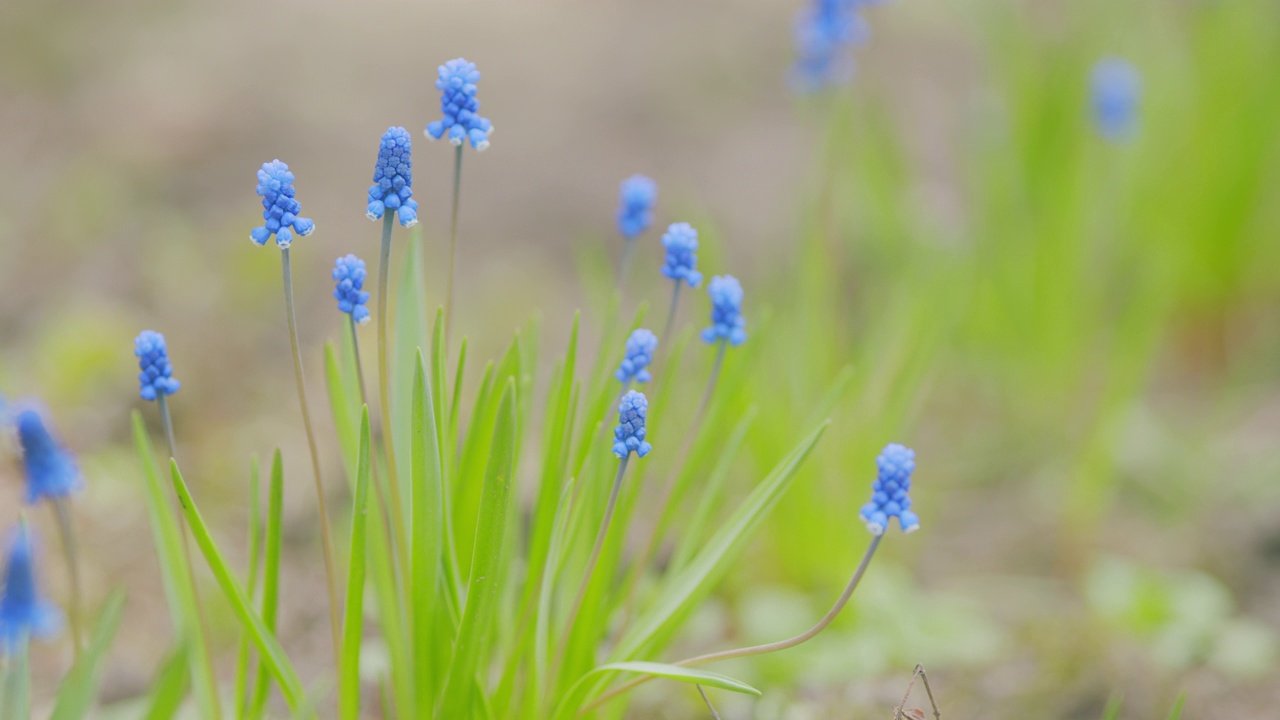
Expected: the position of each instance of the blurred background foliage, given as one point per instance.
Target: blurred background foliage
(1078, 336)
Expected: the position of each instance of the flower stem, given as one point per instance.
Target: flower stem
(325, 539)
(758, 649)
(714, 715)
(384, 392)
(628, 252)
(671, 316)
(62, 508)
(387, 517)
(453, 244)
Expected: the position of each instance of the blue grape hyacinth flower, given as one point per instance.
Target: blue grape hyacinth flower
(461, 122)
(638, 356)
(50, 469)
(889, 497)
(681, 242)
(727, 322)
(392, 189)
(825, 33)
(23, 612)
(156, 378)
(636, 196)
(280, 207)
(349, 273)
(629, 435)
(1116, 90)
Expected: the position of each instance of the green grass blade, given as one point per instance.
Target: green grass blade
(353, 615)
(344, 400)
(1176, 712)
(1114, 704)
(273, 656)
(542, 631)
(270, 575)
(426, 514)
(482, 589)
(15, 685)
(79, 688)
(693, 676)
(169, 685)
(243, 666)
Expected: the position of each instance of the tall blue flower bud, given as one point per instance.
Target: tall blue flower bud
(1117, 88)
(51, 471)
(629, 435)
(727, 322)
(349, 273)
(638, 356)
(23, 612)
(636, 196)
(681, 242)
(461, 122)
(889, 497)
(392, 188)
(280, 207)
(156, 377)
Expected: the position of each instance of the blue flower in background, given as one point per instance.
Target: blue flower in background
(726, 311)
(889, 492)
(392, 187)
(23, 612)
(638, 357)
(50, 469)
(681, 242)
(629, 435)
(280, 207)
(1117, 88)
(349, 272)
(156, 377)
(458, 103)
(826, 32)
(636, 196)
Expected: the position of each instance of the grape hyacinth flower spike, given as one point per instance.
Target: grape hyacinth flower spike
(889, 497)
(156, 377)
(825, 33)
(727, 323)
(392, 189)
(637, 358)
(629, 435)
(349, 274)
(1117, 87)
(24, 613)
(280, 207)
(636, 196)
(681, 245)
(51, 471)
(461, 121)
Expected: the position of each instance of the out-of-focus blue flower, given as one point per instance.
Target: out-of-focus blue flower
(636, 196)
(280, 207)
(639, 355)
(629, 435)
(156, 377)
(51, 471)
(826, 32)
(349, 272)
(727, 322)
(458, 103)
(889, 492)
(392, 187)
(1117, 88)
(23, 612)
(681, 242)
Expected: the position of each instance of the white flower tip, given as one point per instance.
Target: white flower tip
(364, 320)
(309, 231)
(411, 223)
(875, 529)
(429, 136)
(913, 528)
(455, 141)
(283, 244)
(482, 146)
(371, 216)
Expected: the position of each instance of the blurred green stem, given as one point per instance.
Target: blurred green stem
(628, 252)
(62, 508)
(671, 316)
(384, 372)
(387, 517)
(453, 245)
(326, 541)
(715, 715)
(15, 686)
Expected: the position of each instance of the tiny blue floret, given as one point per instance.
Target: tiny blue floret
(458, 103)
(727, 322)
(825, 34)
(349, 273)
(889, 497)
(23, 612)
(636, 196)
(638, 357)
(51, 471)
(280, 207)
(629, 435)
(392, 188)
(681, 242)
(156, 377)
(1117, 88)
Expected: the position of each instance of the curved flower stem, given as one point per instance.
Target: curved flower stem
(715, 715)
(326, 540)
(757, 649)
(671, 316)
(62, 508)
(453, 244)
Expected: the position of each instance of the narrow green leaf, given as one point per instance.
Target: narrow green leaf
(693, 676)
(79, 688)
(273, 656)
(169, 685)
(482, 589)
(270, 575)
(426, 510)
(353, 615)
(15, 685)
(410, 334)
(691, 532)
(1114, 704)
(1176, 712)
(343, 402)
(556, 552)
(243, 668)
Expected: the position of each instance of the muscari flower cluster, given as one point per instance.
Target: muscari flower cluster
(889, 497)
(392, 188)
(826, 33)
(681, 242)
(51, 471)
(628, 437)
(23, 612)
(458, 103)
(1116, 89)
(637, 358)
(156, 378)
(349, 273)
(727, 322)
(280, 207)
(636, 196)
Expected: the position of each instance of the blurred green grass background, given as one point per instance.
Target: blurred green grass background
(1079, 338)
